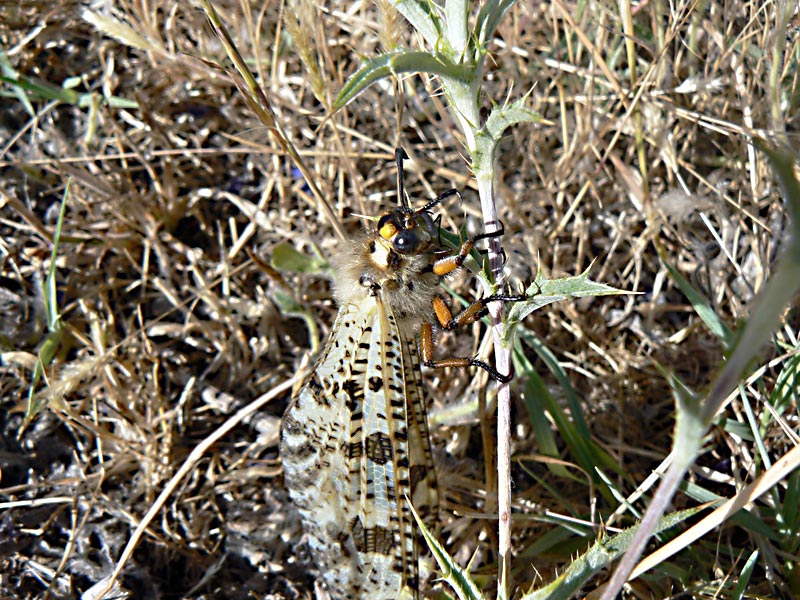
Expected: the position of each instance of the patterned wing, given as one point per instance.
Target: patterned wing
(314, 451)
(347, 461)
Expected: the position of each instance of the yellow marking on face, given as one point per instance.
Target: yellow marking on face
(388, 230)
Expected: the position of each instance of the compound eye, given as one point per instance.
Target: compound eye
(406, 241)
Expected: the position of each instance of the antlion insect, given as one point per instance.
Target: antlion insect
(355, 442)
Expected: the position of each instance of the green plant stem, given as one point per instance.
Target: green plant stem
(458, 60)
(502, 354)
(464, 99)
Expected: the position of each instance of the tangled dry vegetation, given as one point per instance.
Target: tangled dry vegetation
(174, 317)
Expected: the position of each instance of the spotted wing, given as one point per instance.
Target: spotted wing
(347, 461)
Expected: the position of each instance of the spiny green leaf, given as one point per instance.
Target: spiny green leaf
(599, 556)
(456, 576)
(395, 63)
(546, 291)
(424, 17)
(503, 117)
(500, 119)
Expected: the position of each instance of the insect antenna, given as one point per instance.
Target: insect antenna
(399, 155)
(439, 199)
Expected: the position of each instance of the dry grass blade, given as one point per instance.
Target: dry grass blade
(257, 100)
(782, 469)
(187, 466)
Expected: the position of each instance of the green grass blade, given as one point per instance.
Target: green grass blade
(488, 18)
(784, 394)
(745, 519)
(41, 90)
(790, 513)
(8, 71)
(535, 391)
(54, 338)
(700, 304)
(571, 425)
(744, 577)
(51, 293)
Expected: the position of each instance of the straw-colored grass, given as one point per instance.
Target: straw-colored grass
(173, 319)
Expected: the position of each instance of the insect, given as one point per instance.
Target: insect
(355, 443)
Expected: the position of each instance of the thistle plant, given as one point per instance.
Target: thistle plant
(667, 97)
(457, 56)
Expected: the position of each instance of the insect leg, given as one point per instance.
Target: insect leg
(469, 315)
(448, 264)
(472, 313)
(426, 352)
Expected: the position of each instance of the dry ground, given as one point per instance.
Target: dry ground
(172, 321)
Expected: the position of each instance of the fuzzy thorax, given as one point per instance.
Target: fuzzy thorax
(368, 265)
